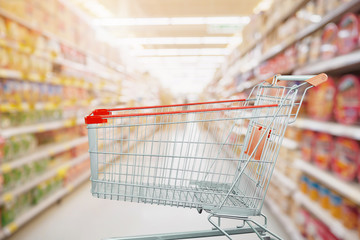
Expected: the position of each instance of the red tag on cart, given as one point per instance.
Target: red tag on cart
(255, 137)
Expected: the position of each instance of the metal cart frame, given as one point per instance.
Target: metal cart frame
(214, 156)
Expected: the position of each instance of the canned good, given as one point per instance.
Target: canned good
(324, 197)
(335, 206)
(349, 214)
(314, 191)
(304, 184)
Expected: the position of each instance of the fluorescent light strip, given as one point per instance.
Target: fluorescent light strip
(183, 52)
(177, 40)
(171, 21)
(186, 59)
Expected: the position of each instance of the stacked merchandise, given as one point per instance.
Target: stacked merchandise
(48, 82)
(317, 179)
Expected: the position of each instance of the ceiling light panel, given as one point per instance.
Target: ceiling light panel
(171, 21)
(182, 52)
(177, 40)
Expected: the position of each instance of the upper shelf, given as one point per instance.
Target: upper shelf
(101, 59)
(269, 29)
(332, 16)
(332, 128)
(338, 64)
(41, 127)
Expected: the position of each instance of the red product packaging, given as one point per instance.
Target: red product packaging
(329, 46)
(307, 143)
(320, 231)
(347, 103)
(323, 149)
(346, 158)
(348, 34)
(320, 102)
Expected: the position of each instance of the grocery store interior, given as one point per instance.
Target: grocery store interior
(62, 59)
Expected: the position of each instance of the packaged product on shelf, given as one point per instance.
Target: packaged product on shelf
(335, 205)
(346, 159)
(7, 213)
(304, 184)
(314, 189)
(319, 231)
(347, 103)
(3, 30)
(324, 197)
(4, 57)
(323, 150)
(315, 47)
(348, 35)
(329, 46)
(303, 51)
(349, 214)
(321, 101)
(307, 143)
(302, 218)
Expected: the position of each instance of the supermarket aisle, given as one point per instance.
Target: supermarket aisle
(81, 216)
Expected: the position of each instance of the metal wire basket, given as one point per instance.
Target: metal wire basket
(214, 156)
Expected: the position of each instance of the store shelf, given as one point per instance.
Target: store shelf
(338, 64)
(40, 127)
(349, 190)
(335, 129)
(335, 225)
(11, 74)
(30, 214)
(290, 144)
(42, 153)
(284, 220)
(333, 16)
(285, 181)
(9, 196)
(276, 23)
(103, 60)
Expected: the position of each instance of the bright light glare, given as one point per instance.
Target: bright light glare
(182, 52)
(176, 40)
(185, 59)
(171, 21)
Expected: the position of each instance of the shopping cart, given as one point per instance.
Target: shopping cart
(213, 156)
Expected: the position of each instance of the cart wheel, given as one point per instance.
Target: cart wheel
(199, 209)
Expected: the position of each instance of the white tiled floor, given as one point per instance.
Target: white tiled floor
(81, 216)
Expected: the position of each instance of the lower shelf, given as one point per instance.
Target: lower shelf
(27, 216)
(284, 220)
(335, 225)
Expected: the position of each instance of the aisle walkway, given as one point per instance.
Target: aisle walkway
(83, 217)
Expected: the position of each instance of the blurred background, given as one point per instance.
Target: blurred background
(59, 59)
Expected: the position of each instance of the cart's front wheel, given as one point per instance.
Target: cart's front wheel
(199, 209)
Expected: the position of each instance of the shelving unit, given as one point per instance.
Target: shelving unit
(350, 190)
(335, 129)
(339, 64)
(253, 64)
(41, 127)
(42, 153)
(27, 216)
(269, 29)
(334, 224)
(284, 181)
(9, 196)
(335, 15)
(284, 220)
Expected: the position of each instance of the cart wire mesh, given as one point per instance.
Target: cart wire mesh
(217, 156)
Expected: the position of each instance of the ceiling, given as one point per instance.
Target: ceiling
(182, 42)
